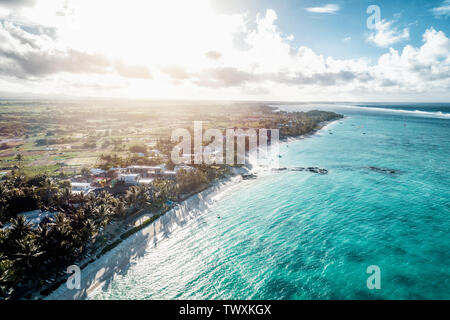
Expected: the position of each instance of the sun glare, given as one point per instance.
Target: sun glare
(152, 33)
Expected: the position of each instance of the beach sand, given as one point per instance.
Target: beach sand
(101, 271)
(117, 261)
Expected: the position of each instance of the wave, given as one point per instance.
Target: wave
(431, 114)
(336, 107)
(98, 273)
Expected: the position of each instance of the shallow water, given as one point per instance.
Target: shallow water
(300, 235)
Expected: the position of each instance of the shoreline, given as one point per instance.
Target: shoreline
(98, 273)
(102, 270)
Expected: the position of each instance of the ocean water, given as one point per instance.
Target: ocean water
(300, 235)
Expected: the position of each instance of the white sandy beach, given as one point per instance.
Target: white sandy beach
(98, 273)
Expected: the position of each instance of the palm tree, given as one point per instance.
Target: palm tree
(26, 260)
(17, 181)
(63, 198)
(61, 242)
(142, 196)
(61, 224)
(80, 197)
(121, 210)
(47, 191)
(105, 198)
(131, 197)
(82, 229)
(19, 158)
(5, 192)
(20, 228)
(42, 234)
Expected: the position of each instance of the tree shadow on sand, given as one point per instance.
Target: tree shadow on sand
(101, 272)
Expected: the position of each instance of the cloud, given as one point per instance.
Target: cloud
(133, 71)
(329, 8)
(225, 77)
(427, 65)
(270, 61)
(213, 55)
(413, 70)
(386, 35)
(251, 55)
(442, 10)
(24, 54)
(16, 3)
(177, 73)
(256, 91)
(327, 78)
(388, 83)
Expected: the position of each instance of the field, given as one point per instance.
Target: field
(62, 137)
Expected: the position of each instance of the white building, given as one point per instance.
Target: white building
(33, 217)
(169, 175)
(96, 171)
(147, 171)
(130, 179)
(78, 187)
(145, 181)
(36, 216)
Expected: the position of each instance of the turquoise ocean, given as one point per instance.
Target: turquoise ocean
(301, 235)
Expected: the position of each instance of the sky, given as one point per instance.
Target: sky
(284, 50)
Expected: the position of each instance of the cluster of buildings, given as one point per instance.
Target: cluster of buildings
(34, 218)
(124, 177)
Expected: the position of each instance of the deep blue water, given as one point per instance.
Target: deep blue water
(300, 235)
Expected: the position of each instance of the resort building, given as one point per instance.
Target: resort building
(169, 175)
(78, 187)
(130, 179)
(145, 181)
(146, 171)
(34, 217)
(97, 172)
(142, 175)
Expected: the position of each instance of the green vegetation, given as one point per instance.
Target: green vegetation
(107, 161)
(138, 147)
(189, 180)
(43, 144)
(73, 134)
(31, 255)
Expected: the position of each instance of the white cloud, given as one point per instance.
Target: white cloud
(427, 66)
(24, 54)
(386, 34)
(198, 62)
(329, 8)
(442, 10)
